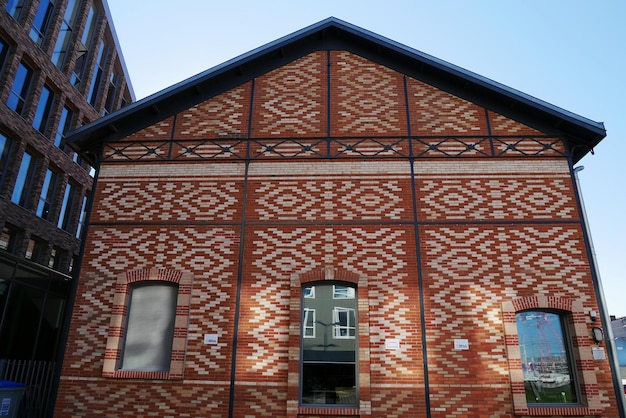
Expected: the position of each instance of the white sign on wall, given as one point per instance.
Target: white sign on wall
(210, 338)
(461, 344)
(392, 344)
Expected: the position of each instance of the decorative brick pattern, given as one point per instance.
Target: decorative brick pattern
(119, 318)
(498, 230)
(369, 97)
(469, 271)
(160, 130)
(209, 256)
(109, 398)
(221, 116)
(501, 125)
(151, 200)
(495, 198)
(435, 112)
(338, 199)
(288, 99)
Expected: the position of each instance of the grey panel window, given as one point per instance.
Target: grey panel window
(24, 182)
(329, 345)
(150, 329)
(42, 113)
(48, 193)
(42, 21)
(20, 88)
(547, 365)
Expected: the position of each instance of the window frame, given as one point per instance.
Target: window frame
(162, 343)
(41, 21)
(44, 107)
(24, 181)
(579, 328)
(328, 397)
(567, 347)
(338, 327)
(48, 194)
(20, 88)
(120, 308)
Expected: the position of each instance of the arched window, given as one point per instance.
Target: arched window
(546, 357)
(329, 344)
(150, 328)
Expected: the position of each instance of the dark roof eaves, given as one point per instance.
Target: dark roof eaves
(596, 129)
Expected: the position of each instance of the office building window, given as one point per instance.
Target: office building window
(15, 7)
(21, 86)
(65, 123)
(111, 93)
(329, 344)
(546, 358)
(67, 207)
(48, 193)
(82, 218)
(65, 33)
(36, 249)
(96, 79)
(4, 50)
(79, 66)
(5, 150)
(42, 113)
(24, 181)
(9, 238)
(42, 21)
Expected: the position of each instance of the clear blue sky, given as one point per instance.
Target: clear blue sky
(570, 53)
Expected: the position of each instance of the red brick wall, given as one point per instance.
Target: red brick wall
(480, 221)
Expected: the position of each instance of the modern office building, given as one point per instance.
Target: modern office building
(60, 67)
(338, 225)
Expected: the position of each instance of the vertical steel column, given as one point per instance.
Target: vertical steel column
(418, 253)
(242, 227)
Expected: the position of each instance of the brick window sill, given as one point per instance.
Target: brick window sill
(328, 410)
(568, 411)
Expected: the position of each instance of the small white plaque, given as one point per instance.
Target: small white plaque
(461, 344)
(598, 353)
(210, 338)
(392, 344)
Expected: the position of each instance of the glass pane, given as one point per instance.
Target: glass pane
(329, 345)
(150, 328)
(23, 182)
(546, 363)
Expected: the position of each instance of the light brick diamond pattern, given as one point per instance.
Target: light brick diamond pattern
(225, 114)
(370, 97)
(167, 201)
(495, 198)
(329, 200)
(470, 270)
(292, 98)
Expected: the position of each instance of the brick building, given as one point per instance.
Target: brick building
(337, 225)
(60, 67)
